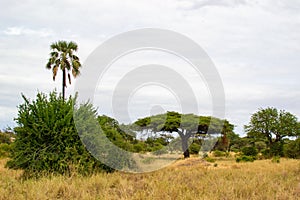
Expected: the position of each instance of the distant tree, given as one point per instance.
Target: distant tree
(115, 133)
(274, 126)
(292, 149)
(186, 125)
(62, 57)
(6, 137)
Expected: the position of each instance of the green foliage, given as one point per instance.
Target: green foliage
(62, 57)
(115, 134)
(209, 159)
(260, 145)
(186, 125)
(274, 126)
(276, 159)
(5, 137)
(250, 151)
(103, 141)
(244, 158)
(266, 153)
(139, 147)
(238, 143)
(276, 149)
(194, 148)
(159, 150)
(47, 140)
(5, 150)
(292, 149)
(218, 153)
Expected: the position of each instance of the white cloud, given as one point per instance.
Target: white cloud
(254, 44)
(17, 31)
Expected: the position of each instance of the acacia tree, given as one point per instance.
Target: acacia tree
(274, 126)
(186, 125)
(62, 56)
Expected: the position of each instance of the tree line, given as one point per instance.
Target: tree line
(47, 139)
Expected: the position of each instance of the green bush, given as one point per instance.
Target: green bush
(47, 140)
(194, 148)
(260, 145)
(218, 153)
(139, 147)
(276, 149)
(5, 150)
(266, 153)
(245, 159)
(208, 159)
(250, 151)
(276, 159)
(205, 155)
(292, 149)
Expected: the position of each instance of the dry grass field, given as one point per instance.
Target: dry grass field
(185, 179)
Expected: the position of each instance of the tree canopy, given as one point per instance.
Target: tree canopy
(186, 125)
(62, 56)
(274, 126)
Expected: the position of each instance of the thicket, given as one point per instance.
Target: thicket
(47, 140)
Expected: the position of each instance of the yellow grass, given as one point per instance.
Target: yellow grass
(185, 179)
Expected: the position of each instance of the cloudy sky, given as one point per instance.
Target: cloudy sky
(255, 46)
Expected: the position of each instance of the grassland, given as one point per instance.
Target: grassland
(185, 179)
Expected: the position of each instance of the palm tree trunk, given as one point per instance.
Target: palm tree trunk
(64, 83)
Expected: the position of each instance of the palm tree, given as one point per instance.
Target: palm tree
(62, 57)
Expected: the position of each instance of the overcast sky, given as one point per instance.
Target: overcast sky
(254, 44)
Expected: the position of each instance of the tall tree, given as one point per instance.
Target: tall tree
(273, 125)
(62, 57)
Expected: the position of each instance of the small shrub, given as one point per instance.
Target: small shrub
(276, 159)
(208, 159)
(194, 148)
(160, 151)
(218, 153)
(245, 159)
(215, 165)
(205, 155)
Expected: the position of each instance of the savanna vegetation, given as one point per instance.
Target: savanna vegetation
(191, 178)
(64, 150)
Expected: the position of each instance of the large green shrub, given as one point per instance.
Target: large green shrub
(47, 140)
